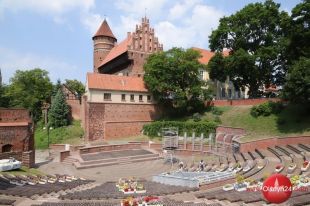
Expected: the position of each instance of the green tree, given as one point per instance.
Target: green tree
(29, 89)
(173, 78)
(297, 86)
(59, 111)
(299, 34)
(76, 86)
(56, 87)
(256, 32)
(4, 99)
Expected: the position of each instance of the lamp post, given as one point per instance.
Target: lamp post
(45, 108)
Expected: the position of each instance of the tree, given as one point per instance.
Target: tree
(76, 86)
(256, 32)
(173, 78)
(4, 99)
(59, 111)
(299, 33)
(29, 89)
(297, 87)
(56, 87)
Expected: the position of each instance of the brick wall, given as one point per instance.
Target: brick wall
(105, 148)
(27, 158)
(75, 108)
(272, 142)
(20, 137)
(109, 121)
(240, 102)
(14, 115)
(230, 130)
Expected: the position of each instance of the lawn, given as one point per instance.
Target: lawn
(72, 134)
(293, 120)
(24, 171)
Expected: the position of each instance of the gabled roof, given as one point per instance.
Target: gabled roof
(104, 30)
(119, 49)
(115, 82)
(206, 55)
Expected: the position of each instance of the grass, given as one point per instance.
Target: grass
(293, 120)
(24, 171)
(71, 134)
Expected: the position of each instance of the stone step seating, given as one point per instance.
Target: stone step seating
(6, 201)
(304, 147)
(85, 163)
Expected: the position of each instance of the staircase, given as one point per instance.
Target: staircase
(69, 160)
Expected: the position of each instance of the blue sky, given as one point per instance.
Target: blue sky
(55, 35)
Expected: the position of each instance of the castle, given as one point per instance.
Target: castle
(117, 102)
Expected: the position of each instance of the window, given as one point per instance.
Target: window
(201, 74)
(229, 93)
(223, 92)
(140, 46)
(149, 98)
(140, 98)
(141, 55)
(123, 97)
(150, 40)
(107, 96)
(7, 148)
(132, 97)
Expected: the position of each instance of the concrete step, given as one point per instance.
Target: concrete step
(78, 165)
(129, 158)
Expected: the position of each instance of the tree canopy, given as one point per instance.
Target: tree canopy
(297, 87)
(76, 86)
(173, 78)
(255, 36)
(29, 89)
(59, 111)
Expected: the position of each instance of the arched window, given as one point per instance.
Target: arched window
(7, 148)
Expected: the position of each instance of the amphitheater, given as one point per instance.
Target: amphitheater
(93, 175)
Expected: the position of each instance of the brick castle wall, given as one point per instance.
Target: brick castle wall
(20, 136)
(272, 142)
(75, 108)
(240, 102)
(106, 121)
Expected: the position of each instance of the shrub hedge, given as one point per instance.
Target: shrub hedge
(154, 128)
(266, 109)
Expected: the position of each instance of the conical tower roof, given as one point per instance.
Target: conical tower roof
(104, 30)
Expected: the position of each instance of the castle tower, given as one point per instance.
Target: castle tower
(104, 40)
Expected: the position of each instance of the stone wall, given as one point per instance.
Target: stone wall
(14, 115)
(240, 102)
(75, 108)
(16, 131)
(110, 121)
(272, 142)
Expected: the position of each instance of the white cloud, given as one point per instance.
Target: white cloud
(46, 6)
(183, 23)
(92, 21)
(11, 61)
(180, 9)
(154, 9)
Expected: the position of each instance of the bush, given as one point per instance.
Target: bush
(197, 117)
(266, 109)
(217, 119)
(154, 128)
(216, 111)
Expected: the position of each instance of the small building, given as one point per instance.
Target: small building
(223, 90)
(116, 106)
(17, 136)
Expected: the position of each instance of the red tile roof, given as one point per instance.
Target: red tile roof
(119, 49)
(13, 124)
(104, 30)
(115, 82)
(206, 55)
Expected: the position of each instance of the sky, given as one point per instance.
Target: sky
(56, 35)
